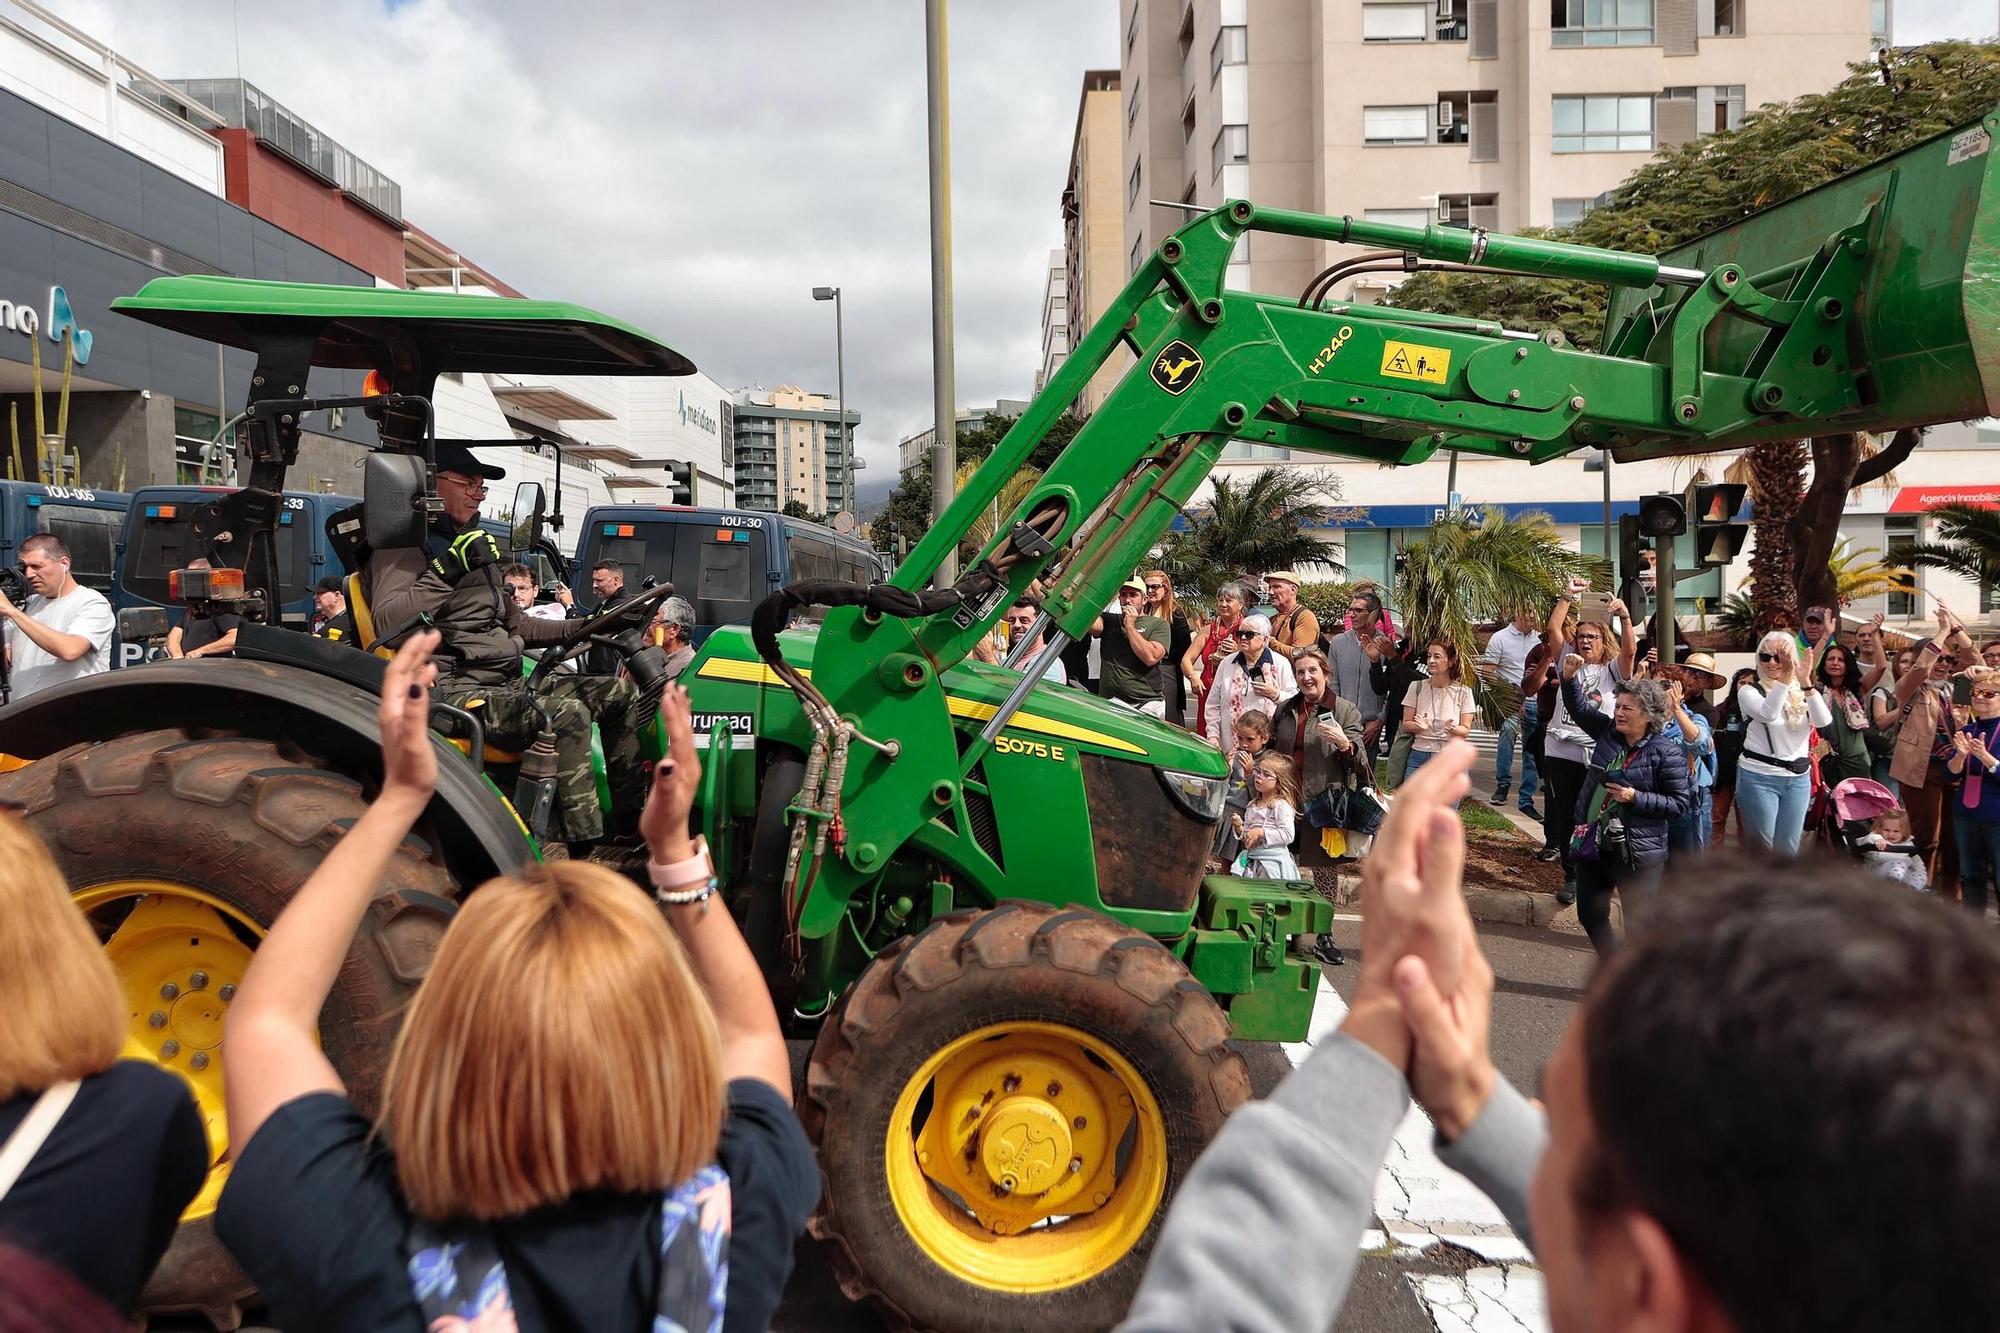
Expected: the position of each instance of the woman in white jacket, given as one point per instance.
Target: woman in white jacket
(1774, 776)
(1251, 680)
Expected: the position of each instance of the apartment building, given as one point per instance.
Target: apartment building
(1094, 222)
(1055, 320)
(1489, 113)
(790, 446)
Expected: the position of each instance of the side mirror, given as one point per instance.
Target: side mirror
(393, 487)
(137, 624)
(528, 502)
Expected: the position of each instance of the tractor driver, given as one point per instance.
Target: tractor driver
(456, 580)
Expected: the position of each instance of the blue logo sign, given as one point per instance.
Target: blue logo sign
(62, 317)
(702, 419)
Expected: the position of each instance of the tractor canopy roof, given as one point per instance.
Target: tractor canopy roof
(379, 328)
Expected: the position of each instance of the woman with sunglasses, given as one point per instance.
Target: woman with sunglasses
(1883, 706)
(1567, 746)
(1975, 765)
(1924, 717)
(1784, 706)
(1168, 677)
(1211, 644)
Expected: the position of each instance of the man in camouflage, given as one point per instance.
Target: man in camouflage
(454, 583)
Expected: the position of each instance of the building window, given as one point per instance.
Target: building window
(1132, 28)
(1569, 212)
(1603, 124)
(1899, 535)
(1230, 47)
(1469, 210)
(1399, 217)
(1729, 18)
(1232, 144)
(1242, 451)
(1601, 22)
(1395, 23)
(1396, 124)
(1132, 191)
(1132, 262)
(1132, 106)
(1879, 14)
(1727, 112)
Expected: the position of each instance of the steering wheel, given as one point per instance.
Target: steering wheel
(635, 613)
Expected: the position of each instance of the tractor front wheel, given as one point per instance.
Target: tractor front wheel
(1003, 1107)
(181, 850)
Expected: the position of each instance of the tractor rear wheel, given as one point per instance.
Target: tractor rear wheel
(1003, 1107)
(182, 849)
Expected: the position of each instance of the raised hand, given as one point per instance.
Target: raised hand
(409, 761)
(1572, 663)
(1451, 1067)
(664, 822)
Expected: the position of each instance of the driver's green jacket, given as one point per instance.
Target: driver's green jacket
(483, 628)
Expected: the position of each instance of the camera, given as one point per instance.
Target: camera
(13, 585)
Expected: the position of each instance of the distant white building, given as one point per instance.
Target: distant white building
(791, 446)
(912, 450)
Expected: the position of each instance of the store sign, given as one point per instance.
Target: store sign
(22, 318)
(1920, 499)
(694, 413)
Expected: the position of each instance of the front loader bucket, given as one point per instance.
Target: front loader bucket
(1925, 333)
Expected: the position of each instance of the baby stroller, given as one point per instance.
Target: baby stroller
(1851, 805)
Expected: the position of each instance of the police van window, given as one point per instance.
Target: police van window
(92, 538)
(810, 558)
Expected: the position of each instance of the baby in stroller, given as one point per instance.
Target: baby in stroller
(1887, 847)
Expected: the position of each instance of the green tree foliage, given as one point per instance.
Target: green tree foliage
(908, 514)
(797, 509)
(1968, 544)
(1779, 151)
(1253, 527)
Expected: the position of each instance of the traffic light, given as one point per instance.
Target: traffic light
(1718, 536)
(680, 478)
(1662, 516)
(1632, 548)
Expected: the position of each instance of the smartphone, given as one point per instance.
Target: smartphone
(1594, 607)
(1961, 691)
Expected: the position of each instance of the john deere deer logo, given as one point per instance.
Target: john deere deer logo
(1176, 368)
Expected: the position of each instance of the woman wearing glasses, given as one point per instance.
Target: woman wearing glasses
(1923, 716)
(1168, 677)
(1781, 710)
(1975, 766)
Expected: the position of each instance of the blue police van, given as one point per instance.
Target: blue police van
(723, 561)
(87, 520)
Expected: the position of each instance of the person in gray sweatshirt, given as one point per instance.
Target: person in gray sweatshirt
(1768, 1111)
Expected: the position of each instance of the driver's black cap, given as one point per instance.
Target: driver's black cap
(455, 457)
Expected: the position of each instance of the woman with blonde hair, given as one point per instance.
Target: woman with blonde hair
(1781, 709)
(587, 1118)
(98, 1155)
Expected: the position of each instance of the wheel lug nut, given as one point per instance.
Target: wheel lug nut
(198, 981)
(1011, 1083)
(1055, 1088)
(168, 991)
(1079, 1122)
(1075, 1165)
(156, 1019)
(200, 1061)
(171, 1049)
(228, 991)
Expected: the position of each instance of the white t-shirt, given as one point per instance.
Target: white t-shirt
(1508, 650)
(81, 611)
(1438, 708)
(1598, 685)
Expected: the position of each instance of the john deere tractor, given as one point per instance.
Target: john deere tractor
(982, 895)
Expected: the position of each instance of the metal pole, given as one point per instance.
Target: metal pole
(1451, 484)
(1609, 548)
(944, 443)
(1664, 604)
(840, 379)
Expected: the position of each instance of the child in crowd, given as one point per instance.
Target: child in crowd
(1890, 850)
(1253, 733)
(1268, 826)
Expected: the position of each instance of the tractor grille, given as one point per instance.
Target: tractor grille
(1150, 852)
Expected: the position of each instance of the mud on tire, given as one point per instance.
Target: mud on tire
(1019, 963)
(246, 821)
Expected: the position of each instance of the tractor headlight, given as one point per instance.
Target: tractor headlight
(1197, 793)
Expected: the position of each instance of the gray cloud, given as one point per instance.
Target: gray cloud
(698, 168)
(1917, 21)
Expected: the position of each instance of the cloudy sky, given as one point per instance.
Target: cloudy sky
(698, 167)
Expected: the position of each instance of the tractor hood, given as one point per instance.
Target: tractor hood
(363, 328)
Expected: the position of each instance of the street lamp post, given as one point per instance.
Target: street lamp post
(840, 377)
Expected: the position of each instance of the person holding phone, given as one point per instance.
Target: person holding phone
(1322, 735)
(1252, 679)
(1565, 746)
(1923, 718)
(1441, 709)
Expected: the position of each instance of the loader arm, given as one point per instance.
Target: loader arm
(1845, 309)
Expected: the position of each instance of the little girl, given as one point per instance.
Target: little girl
(1253, 733)
(1268, 826)
(1889, 850)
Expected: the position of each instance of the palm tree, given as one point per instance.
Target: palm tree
(1968, 544)
(1017, 488)
(1267, 523)
(1855, 577)
(1469, 570)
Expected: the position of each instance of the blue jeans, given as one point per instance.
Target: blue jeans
(1695, 830)
(1773, 809)
(1514, 731)
(1418, 758)
(1978, 861)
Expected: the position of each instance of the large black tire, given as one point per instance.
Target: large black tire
(245, 821)
(1019, 963)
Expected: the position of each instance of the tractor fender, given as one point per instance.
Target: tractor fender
(479, 833)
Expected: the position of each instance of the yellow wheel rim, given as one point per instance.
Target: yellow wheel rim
(1026, 1157)
(180, 954)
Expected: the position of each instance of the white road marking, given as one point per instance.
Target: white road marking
(1421, 1202)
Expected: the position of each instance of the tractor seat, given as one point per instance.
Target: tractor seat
(493, 753)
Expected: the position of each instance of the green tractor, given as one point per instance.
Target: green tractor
(983, 895)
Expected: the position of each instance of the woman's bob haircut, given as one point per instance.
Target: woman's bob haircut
(560, 1044)
(65, 1012)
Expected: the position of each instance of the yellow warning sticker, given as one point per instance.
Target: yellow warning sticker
(1411, 361)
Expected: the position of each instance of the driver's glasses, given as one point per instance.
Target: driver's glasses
(470, 485)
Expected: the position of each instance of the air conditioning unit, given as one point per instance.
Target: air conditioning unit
(1446, 116)
(1444, 210)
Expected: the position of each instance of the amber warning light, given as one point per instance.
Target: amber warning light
(205, 585)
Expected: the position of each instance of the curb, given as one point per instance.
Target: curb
(1508, 908)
